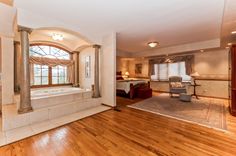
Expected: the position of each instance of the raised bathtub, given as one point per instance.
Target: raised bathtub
(47, 97)
(49, 92)
(52, 103)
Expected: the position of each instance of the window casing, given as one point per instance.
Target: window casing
(163, 71)
(44, 75)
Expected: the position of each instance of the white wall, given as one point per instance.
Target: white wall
(86, 82)
(108, 69)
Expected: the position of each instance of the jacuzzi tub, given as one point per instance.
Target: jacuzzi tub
(49, 92)
(48, 97)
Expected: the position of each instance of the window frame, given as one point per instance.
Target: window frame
(50, 84)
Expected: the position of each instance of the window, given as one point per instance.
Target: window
(45, 75)
(40, 75)
(59, 75)
(49, 52)
(163, 71)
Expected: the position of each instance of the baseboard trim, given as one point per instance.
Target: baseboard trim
(115, 108)
(107, 105)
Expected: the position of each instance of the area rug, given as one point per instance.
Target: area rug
(205, 112)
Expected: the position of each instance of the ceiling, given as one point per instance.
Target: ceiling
(137, 22)
(229, 24)
(71, 41)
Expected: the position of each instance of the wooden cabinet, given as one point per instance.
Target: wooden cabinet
(232, 106)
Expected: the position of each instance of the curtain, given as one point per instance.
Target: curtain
(152, 62)
(70, 74)
(50, 62)
(31, 74)
(188, 59)
(189, 62)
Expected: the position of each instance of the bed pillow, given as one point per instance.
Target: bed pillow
(176, 84)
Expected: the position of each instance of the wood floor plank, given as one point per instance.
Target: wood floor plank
(129, 132)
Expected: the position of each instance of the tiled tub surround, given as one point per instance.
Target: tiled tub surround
(16, 134)
(47, 97)
(48, 107)
(52, 108)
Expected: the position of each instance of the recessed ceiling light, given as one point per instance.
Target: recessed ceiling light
(201, 50)
(153, 44)
(58, 37)
(233, 32)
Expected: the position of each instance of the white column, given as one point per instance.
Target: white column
(25, 100)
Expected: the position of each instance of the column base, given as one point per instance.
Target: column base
(25, 110)
(96, 96)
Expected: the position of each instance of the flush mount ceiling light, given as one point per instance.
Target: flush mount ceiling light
(229, 44)
(153, 44)
(58, 37)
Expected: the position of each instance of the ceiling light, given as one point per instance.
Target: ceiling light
(201, 50)
(233, 32)
(153, 44)
(229, 44)
(58, 37)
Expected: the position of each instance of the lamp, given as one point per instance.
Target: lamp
(127, 74)
(194, 75)
(153, 44)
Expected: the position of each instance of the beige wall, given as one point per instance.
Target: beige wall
(83, 81)
(122, 64)
(128, 64)
(145, 67)
(7, 70)
(7, 18)
(212, 64)
(8, 2)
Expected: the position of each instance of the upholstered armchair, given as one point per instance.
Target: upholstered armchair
(176, 86)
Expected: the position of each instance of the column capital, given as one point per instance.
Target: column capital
(75, 52)
(96, 46)
(22, 28)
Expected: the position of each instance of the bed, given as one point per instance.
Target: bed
(129, 87)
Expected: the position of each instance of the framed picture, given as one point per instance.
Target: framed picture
(138, 68)
(87, 66)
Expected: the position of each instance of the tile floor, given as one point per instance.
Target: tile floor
(13, 135)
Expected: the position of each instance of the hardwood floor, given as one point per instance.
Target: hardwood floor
(126, 133)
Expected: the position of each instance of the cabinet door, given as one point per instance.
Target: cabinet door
(233, 81)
